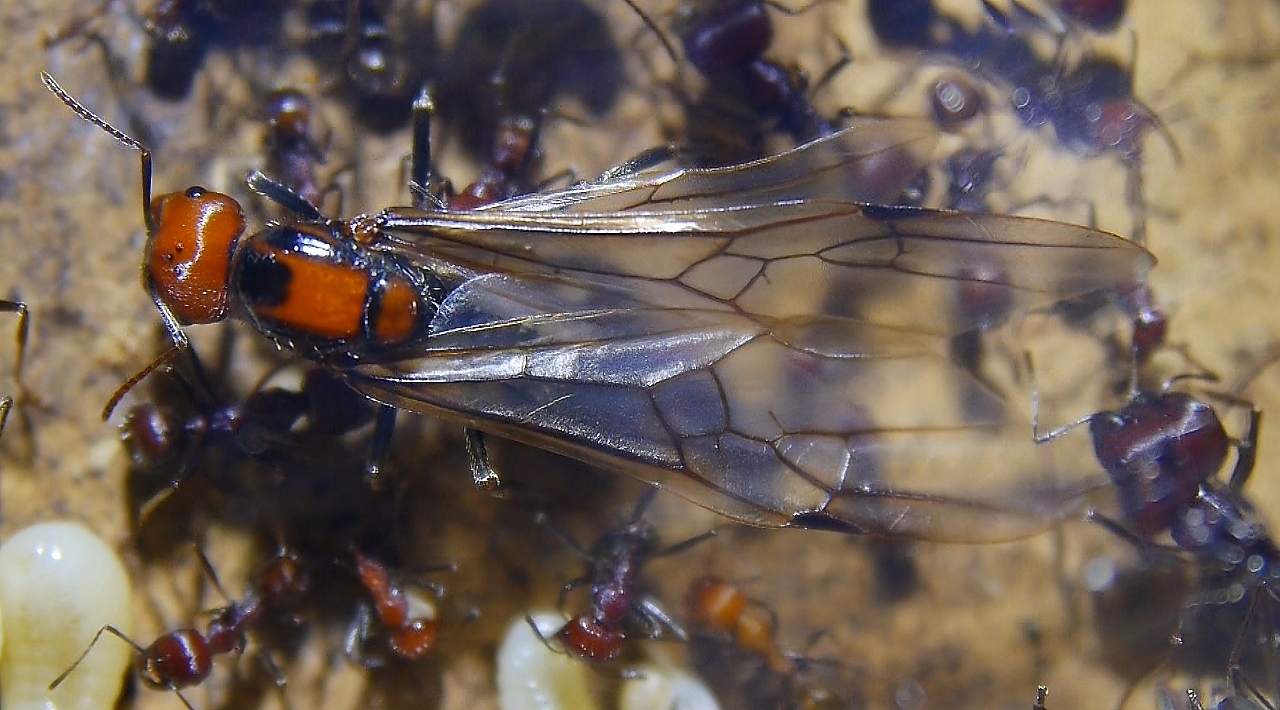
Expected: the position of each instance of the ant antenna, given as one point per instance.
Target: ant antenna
(653, 26)
(139, 376)
(1035, 410)
(52, 85)
(554, 648)
(1151, 115)
(207, 567)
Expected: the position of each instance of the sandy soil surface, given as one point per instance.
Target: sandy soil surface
(982, 628)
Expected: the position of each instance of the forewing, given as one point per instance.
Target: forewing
(899, 268)
(785, 424)
(872, 160)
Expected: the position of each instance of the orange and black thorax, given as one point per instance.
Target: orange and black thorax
(329, 298)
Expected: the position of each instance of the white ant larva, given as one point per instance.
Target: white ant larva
(60, 584)
(665, 687)
(532, 675)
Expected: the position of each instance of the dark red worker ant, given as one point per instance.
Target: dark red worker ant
(181, 33)
(727, 42)
(971, 175)
(381, 58)
(510, 163)
(618, 610)
(410, 622)
(293, 151)
(184, 658)
(722, 608)
(513, 154)
(510, 62)
(1163, 451)
(747, 96)
(1094, 15)
(955, 100)
(276, 427)
(1089, 103)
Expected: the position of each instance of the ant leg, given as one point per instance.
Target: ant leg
(1237, 676)
(554, 648)
(1041, 693)
(380, 447)
(6, 402)
(642, 506)
(207, 567)
(21, 334)
(657, 31)
(1235, 673)
(1143, 546)
(845, 59)
(357, 637)
(1116, 529)
(1134, 196)
(683, 545)
(482, 472)
(1203, 376)
(1035, 411)
(567, 589)
(282, 195)
(1246, 452)
(273, 669)
(79, 27)
(657, 619)
(425, 187)
(541, 518)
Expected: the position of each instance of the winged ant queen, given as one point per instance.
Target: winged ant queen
(728, 334)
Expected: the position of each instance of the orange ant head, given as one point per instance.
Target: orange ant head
(189, 254)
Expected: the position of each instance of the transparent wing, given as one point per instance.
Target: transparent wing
(816, 420)
(871, 160)
(775, 353)
(896, 267)
(783, 424)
